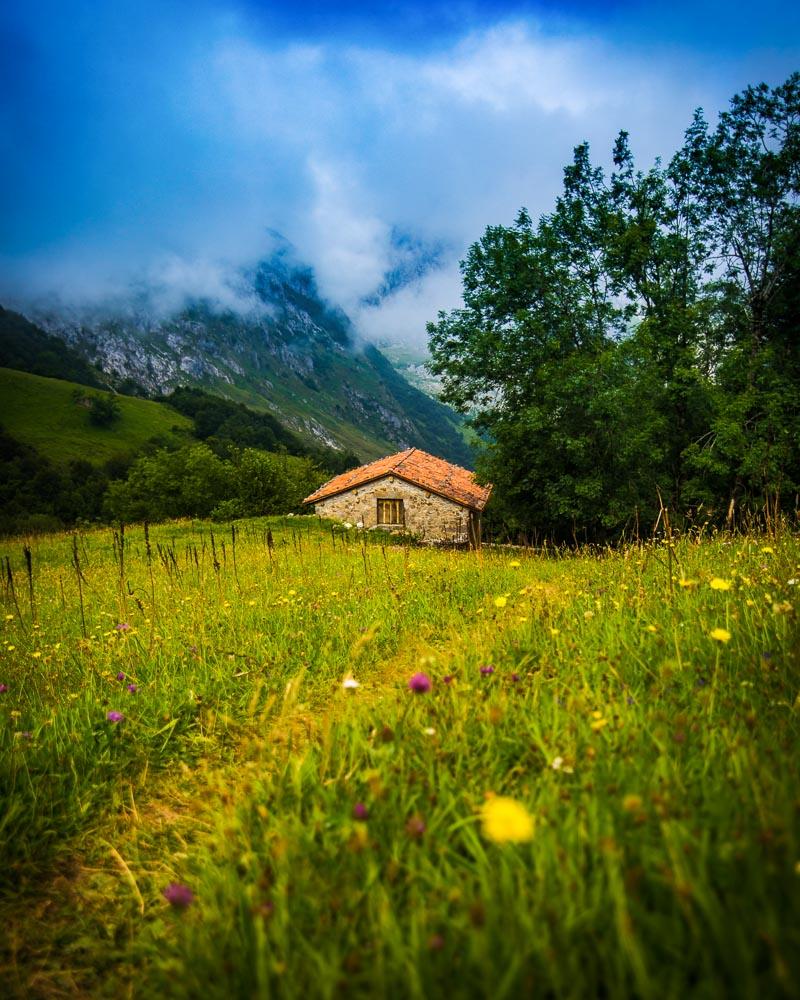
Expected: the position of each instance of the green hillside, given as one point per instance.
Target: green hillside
(42, 413)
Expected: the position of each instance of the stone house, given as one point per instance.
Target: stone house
(412, 492)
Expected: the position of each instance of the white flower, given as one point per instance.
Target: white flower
(557, 763)
(430, 731)
(347, 525)
(350, 683)
(792, 582)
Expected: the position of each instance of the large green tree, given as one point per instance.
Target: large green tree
(638, 345)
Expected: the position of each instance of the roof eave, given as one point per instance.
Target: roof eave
(313, 498)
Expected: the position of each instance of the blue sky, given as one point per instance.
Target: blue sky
(158, 140)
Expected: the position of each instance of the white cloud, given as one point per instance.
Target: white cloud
(336, 145)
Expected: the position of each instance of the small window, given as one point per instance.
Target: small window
(391, 512)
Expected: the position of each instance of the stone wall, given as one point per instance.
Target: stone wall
(427, 515)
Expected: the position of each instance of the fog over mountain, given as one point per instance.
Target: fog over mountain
(152, 145)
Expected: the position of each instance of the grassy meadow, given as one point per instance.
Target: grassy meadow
(41, 412)
(283, 759)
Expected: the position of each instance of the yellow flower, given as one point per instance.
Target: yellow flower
(719, 584)
(768, 550)
(687, 583)
(720, 634)
(651, 628)
(632, 803)
(598, 724)
(500, 602)
(506, 821)
(515, 564)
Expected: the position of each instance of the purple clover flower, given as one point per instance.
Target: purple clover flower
(360, 811)
(120, 676)
(419, 684)
(3, 688)
(179, 896)
(515, 678)
(132, 688)
(487, 670)
(115, 716)
(448, 678)
(122, 627)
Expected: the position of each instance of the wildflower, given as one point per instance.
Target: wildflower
(515, 678)
(448, 679)
(115, 716)
(120, 676)
(419, 683)
(179, 896)
(506, 821)
(687, 584)
(651, 628)
(632, 803)
(719, 584)
(720, 634)
(515, 564)
(792, 582)
(132, 688)
(122, 627)
(500, 602)
(598, 724)
(350, 683)
(557, 764)
(415, 827)
(768, 550)
(487, 670)
(429, 731)
(360, 811)
(3, 688)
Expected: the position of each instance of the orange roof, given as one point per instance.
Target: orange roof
(417, 467)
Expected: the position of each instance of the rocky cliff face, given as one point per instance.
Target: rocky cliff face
(283, 349)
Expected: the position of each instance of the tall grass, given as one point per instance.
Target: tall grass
(640, 705)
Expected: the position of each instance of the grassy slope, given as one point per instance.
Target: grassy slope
(659, 764)
(42, 413)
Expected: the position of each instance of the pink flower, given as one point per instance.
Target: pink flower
(360, 811)
(419, 684)
(115, 716)
(179, 896)
(487, 670)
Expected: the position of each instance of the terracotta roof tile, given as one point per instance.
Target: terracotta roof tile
(415, 467)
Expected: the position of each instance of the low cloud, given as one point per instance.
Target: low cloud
(195, 150)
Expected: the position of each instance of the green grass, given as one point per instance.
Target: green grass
(41, 412)
(659, 766)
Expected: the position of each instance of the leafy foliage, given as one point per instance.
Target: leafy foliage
(195, 482)
(637, 344)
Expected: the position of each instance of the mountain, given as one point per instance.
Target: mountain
(274, 345)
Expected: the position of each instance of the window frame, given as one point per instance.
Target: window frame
(396, 506)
